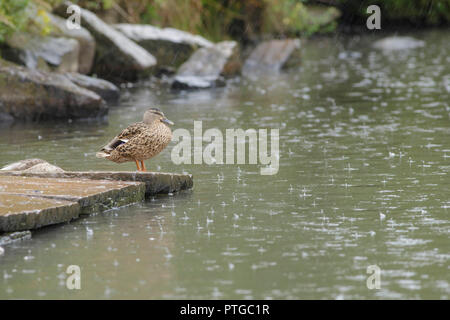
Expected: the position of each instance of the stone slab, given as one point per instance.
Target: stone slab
(23, 212)
(155, 182)
(30, 202)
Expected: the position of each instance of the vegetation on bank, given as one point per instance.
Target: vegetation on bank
(237, 19)
(12, 16)
(15, 16)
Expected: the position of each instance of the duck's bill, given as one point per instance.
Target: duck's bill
(167, 121)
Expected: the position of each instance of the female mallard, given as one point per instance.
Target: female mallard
(140, 141)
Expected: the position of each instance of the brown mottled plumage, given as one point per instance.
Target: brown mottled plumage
(140, 141)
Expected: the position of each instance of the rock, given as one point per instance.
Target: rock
(85, 40)
(5, 117)
(32, 166)
(11, 237)
(23, 164)
(34, 94)
(396, 43)
(171, 47)
(117, 57)
(207, 66)
(37, 52)
(58, 28)
(43, 167)
(103, 88)
(197, 82)
(31, 199)
(31, 202)
(155, 182)
(272, 55)
(24, 212)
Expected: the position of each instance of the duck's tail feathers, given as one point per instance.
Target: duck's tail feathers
(102, 154)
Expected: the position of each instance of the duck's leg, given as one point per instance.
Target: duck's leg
(137, 165)
(143, 166)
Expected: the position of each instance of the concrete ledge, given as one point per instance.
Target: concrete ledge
(30, 200)
(33, 202)
(40, 212)
(155, 182)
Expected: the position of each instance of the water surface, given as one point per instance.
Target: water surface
(363, 180)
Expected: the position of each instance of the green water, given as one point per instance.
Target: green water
(363, 180)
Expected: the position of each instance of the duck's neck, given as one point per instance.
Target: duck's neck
(158, 125)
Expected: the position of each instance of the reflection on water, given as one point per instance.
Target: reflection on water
(363, 180)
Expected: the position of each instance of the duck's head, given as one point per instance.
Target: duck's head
(153, 115)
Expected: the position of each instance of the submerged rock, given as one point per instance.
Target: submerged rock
(207, 66)
(5, 118)
(398, 43)
(272, 56)
(117, 57)
(37, 52)
(34, 94)
(11, 237)
(171, 47)
(103, 88)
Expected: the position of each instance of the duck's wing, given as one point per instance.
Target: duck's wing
(145, 145)
(131, 131)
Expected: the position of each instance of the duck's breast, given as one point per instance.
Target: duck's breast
(157, 140)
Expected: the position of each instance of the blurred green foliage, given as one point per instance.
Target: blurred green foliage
(15, 16)
(297, 17)
(221, 19)
(238, 19)
(12, 16)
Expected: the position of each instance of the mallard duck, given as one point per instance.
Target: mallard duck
(140, 141)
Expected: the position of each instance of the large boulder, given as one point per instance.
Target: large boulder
(31, 94)
(207, 67)
(273, 55)
(171, 47)
(103, 88)
(51, 45)
(57, 27)
(39, 52)
(117, 57)
(397, 43)
(85, 40)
